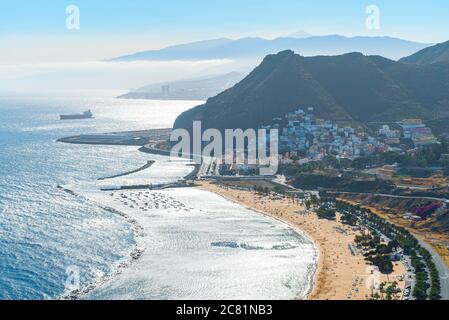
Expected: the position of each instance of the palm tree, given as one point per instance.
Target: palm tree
(382, 289)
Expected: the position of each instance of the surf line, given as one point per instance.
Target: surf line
(134, 255)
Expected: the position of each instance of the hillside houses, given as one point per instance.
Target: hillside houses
(304, 133)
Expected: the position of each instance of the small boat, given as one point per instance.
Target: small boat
(85, 115)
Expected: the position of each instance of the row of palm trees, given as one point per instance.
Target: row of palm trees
(426, 273)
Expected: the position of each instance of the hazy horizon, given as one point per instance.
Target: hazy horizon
(56, 45)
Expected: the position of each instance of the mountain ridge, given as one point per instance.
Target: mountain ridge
(433, 54)
(349, 87)
(254, 47)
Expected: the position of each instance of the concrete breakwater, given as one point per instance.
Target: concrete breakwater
(146, 166)
(162, 186)
(129, 138)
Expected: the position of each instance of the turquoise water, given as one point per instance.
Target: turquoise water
(44, 231)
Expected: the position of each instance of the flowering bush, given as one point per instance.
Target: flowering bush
(425, 211)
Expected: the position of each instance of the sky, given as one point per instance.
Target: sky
(35, 31)
(37, 50)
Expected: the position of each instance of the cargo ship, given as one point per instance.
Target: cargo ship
(85, 115)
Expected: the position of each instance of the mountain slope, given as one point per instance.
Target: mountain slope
(258, 48)
(434, 54)
(346, 87)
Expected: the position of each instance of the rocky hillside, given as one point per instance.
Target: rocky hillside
(347, 87)
(434, 54)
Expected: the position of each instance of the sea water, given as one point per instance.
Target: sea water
(194, 244)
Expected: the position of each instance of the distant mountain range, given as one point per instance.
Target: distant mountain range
(392, 48)
(351, 87)
(189, 89)
(434, 54)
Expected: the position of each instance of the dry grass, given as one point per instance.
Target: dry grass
(437, 240)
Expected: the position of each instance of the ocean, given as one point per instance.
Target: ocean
(171, 244)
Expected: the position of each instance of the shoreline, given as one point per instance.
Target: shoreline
(137, 251)
(318, 265)
(134, 254)
(297, 230)
(339, 274)
(319, 261)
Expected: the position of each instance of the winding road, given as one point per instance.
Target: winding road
(443, 270)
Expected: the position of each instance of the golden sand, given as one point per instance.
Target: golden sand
(340, 274)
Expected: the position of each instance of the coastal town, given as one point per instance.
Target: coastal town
(385, 242)
(306, 136)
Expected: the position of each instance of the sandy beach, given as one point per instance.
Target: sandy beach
(341, 275)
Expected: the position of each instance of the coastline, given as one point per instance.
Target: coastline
(313, 275)
(320, 279)
(137, 251)
(319, 261)
(134, 254)
(339, 275)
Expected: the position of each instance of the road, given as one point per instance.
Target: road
(442, 269)
(392, 196)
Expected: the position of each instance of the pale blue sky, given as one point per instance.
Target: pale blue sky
(28, 29)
